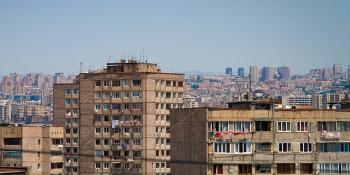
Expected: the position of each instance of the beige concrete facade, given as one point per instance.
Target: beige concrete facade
(32, 147)
(233, 141)
(122, 119)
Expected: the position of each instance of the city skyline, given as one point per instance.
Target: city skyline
(41, 38)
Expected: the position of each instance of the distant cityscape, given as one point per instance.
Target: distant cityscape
(28, 98)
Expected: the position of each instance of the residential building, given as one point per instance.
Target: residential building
(268, 73)
(321, 101)
(337, 69)
(255, 138)
(241, 72)
(254, 74)
(117, 119)
(5, 111)
(39, 148)
(284, 72)
(228, 71)
(297, 100)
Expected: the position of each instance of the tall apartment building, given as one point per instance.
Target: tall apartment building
(254, 74)
(337, 69)
(321, 101)
(284, 72)
(117, 120)
(240, 72)
(39, 148)
(268, 73)
(5, 111)
(253, 138)
(228, 71)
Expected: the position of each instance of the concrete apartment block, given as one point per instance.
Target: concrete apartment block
(38, 148)
(253, 138)
(121, 118)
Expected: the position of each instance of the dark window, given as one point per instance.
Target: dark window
(326, 126)
(56, 165)
(116, 83)
(136, 82)
(106, 118)
(263, 147)
(285, 168)
(12, 141)
(218, 169)
(98, 82)
(263, 168)
(306, 168)
(180, 84)
(244, 169)
(263, 126)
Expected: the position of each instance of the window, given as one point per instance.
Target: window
(75, 91)
(168, 95)
(136, 94)
(97, 130)
(115, 95)
(116, 83)
(97, 95)
(97, 107)
(305, 147)
(98, 83)
(168, 83)
(98, 153)
(284, 147)
(126, 95)
(67, 91)
(12, 154)
(218, 169)
(106, 95)
(334, 147)
(106, 130)
(105, 83)
(180, 84)
(333, 168)
(285, 168)
(106, 107)
(219, 126)
(244, 169)
(263, 168)
(75, 130)
(326, 126)
(222, 147)
(263, 126)
(106, 118)
(243, 147)
(98, 142)
(56, 165)
(116, 106)
(67, 102)
(283, 126)
(343, 126)
(344, 147)
(302, 127)
(137, 106)
(136, 82)
(306, 168)
(243, 126)
(125, 83)
(98, 165)
(39, 142)
(105, 165)
(12, 141)
(263, 147)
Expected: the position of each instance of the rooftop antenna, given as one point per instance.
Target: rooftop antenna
(143, 54)
(81, 67)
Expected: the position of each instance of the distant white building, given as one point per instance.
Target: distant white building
(190, 102)
(297, 100)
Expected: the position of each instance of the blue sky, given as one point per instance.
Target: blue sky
(53, 36)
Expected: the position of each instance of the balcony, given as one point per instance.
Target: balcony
(330, 136)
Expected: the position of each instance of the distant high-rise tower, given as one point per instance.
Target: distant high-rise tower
(349, 72)
(337, 69)
(241, 72)
(254, 74)
(268, 73)
(284, 72)
(326, 74)
(229, 71)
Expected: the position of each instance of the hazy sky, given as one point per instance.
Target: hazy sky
(53, 36)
